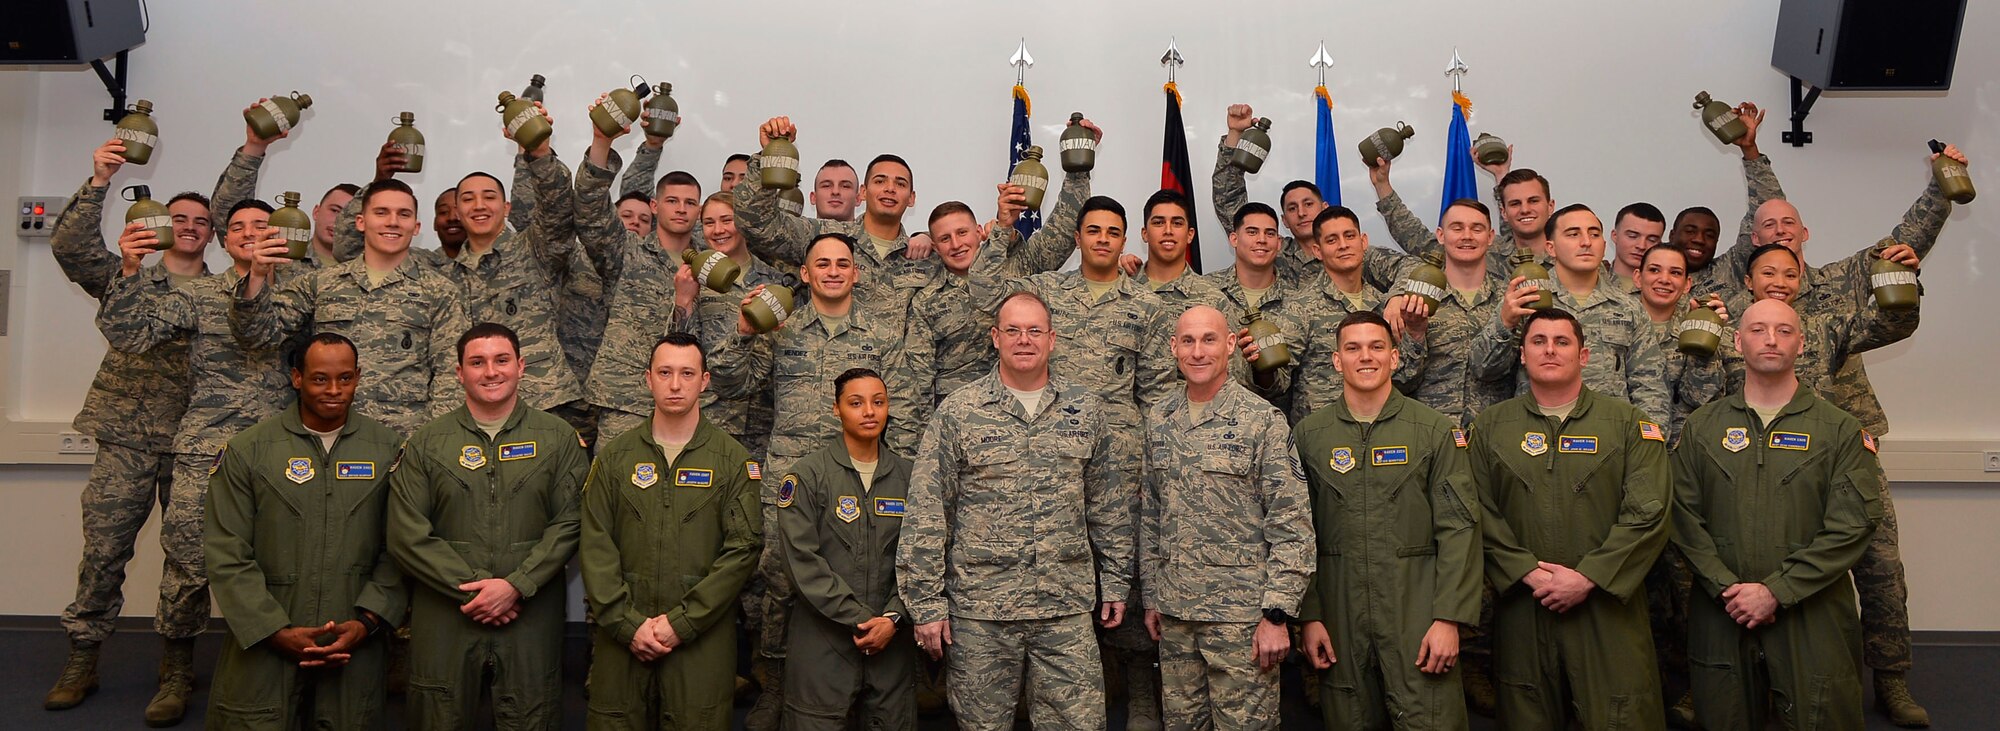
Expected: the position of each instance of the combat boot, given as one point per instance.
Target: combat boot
(176, 685)
(1681, 715)
(397, 678)
(770, 674)
(930, 688)
(1480, 695)
(1892, 697)
(79, 678)
(1142, 697)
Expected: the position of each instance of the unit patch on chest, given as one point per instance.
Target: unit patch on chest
(847, 508)
(517, 450)
(1343, 459)
(645, 474)
(1735, 438)
(354, 470)
(1535, 443)
(472, 457)
(299, 469)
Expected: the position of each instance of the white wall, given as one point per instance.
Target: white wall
(1594, 95)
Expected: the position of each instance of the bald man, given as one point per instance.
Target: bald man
(1775, 498)
(1225, 537)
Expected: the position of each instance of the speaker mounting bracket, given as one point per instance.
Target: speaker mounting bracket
(114, 82)
(1803, 98)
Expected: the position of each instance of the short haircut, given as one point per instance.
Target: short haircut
(835, 163)
(1362, 317)
(246, 203)
(1472, 204)
(1332, 212)
(1169, 196)
(1645, 211)
(445, 194)
(854, 374)
(349, 188)
(1553, 313)
(679, 340)
(950, 207)
(633, 195)
(502, 187)
(1251, 209)
(488, 330)
(677, 177)
(738, 157)
(1297, 184)
(1102, 203)
(1549, 228)
(387, 185)
(189, 195)
(1691, 210)
(844, 239)
(1648, 256)
(1761, 251)
(296, 358)
(727, 199)
(886, 157)
(1524, 175)
(1025, 294)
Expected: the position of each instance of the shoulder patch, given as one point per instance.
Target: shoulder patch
(581, 443)
(398, 461)
(1458, 438)
(1650, 430)
(787, 490)
(754, 470)
(1868, 442)
(217, 464)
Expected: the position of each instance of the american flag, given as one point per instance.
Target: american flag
(1650, 430)
(1020, 141)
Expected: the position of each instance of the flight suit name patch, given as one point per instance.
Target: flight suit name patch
(645, 474)
(517, 450)
(1735, 438)
(354, 470)
(1535, 443)
(691, 477)
(1343, 460)
(1577, 445)
(1388, 456)
(889, 506)
(1790, 440)
(472, 457)
(847, 509)
(299, 469)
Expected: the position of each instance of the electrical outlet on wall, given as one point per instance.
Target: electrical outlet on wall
(1993, 460)
(74, 443)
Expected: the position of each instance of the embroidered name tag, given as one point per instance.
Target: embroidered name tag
(889, 506)
(1790, 440)
(1389, 455)
(690, 477)
(517, 450)
(354, 470)
(1577, 445)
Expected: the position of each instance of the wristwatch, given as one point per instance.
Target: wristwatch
(1278, 616)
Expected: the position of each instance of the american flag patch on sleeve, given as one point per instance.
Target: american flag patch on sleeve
(1868, 442)
(755, 470)
(1650, 430)
(1458, 437)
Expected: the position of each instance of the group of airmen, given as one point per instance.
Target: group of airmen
(1036, 491)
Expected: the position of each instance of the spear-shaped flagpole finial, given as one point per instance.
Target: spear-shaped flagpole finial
(1321, 61)
(1456, 70)
(1172, 59)
(1021, 62)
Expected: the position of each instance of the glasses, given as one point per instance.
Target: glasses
(1015, 333)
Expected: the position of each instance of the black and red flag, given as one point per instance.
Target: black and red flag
(1175, 172)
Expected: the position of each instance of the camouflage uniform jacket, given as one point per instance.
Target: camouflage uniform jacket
(715, 322)
(1320, 305)
(638, 276)
(783, 238)
(1448, 381)
(1625, 358)
(1294, 265)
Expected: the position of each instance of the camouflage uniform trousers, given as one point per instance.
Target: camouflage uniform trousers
(1669, 589)
(1885, 596)
(184, 582)
(582, 417)
(1209, 677)
(124, 484)
(991, 664)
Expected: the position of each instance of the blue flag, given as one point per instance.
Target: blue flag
(1458, 177)
(1031, 221)
(1326, 161)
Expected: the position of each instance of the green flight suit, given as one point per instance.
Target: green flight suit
(293, 537)
(1790, 505)
(1398, 527)
(675, 538)
(1589, 492)
(839, 545)
(465, 507)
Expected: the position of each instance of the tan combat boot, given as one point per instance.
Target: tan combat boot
(1480, 695)
(1681, 715)
(1142, 696)
(79, 678)
(176, 685)
(1892, 697)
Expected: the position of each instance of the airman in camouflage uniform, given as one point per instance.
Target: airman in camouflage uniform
(1225, 538)
(1298, 263)
(748, 419)
(1018, 526)
(132, 409)
(406, 318)
(1397, 521)
(1338, 289)
(1253, 243)
(580, 304)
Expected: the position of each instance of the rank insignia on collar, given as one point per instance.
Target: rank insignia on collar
(1389, 455)
(472, 457)
(1343, 459)
(1735, 438)
(354, 470)
(1790, 440)
(299, 469)
(847, 509)
(891, 507)
(645, 474)
(1567, 444)
(788, 489)
(1458, 437)
(517, 450)
(1535, 443)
